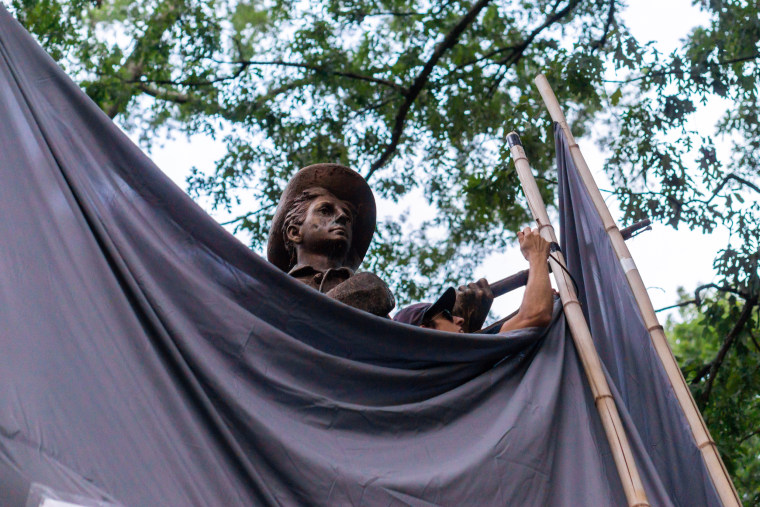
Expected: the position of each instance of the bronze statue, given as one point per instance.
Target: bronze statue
(321, 231)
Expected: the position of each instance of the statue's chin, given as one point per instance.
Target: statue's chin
(335, 249)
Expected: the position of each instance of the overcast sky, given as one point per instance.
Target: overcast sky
(666, 258)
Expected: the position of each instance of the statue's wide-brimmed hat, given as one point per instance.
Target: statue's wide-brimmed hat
(343, 183)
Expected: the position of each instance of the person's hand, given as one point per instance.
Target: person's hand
(473, 303)
(533, 247)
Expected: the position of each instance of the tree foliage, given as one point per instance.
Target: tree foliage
(418, 97)
(718, 344)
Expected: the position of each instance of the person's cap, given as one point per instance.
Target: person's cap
(345, 184)
(418, 313)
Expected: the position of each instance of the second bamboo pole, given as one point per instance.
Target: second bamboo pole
(717, 470)
(584, 344)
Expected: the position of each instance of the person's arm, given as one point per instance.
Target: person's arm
(538, 300)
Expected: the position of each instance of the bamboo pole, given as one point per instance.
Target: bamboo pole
(721, 480)
(605, 404)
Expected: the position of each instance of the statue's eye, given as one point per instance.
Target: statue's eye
(325, 210)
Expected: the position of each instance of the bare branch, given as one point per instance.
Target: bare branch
(244, 64)
(317, 68)
(727, 343)
(681, 72)
(599, 44)
(749, 435)
(678, 305)
(165, 94)
(397, 14)
(720, 288)
(250, 213)
(698, 296)
(413, 92)
(732, 176)
(518, 50)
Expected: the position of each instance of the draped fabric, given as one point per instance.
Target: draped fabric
(623, 343)
(149, 358)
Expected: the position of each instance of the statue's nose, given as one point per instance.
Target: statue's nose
(342, 218)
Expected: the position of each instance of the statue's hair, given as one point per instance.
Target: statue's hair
(297, 214)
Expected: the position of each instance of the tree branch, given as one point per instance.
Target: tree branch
(550, 20)
(720, 288)
(250, 213)
(727, 343)
(244, 64)
(681, 71)
(413, 91)
(163, 93)
(610, 19)
(133, 67)
(732, 176)
(749, 435)
(678, 305)
(518, 50)
(317, 68)
(698, 297)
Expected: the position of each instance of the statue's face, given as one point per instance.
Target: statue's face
(326, 227)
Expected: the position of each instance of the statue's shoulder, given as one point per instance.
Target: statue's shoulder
(365, 291)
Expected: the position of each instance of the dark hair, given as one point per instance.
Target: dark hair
(297, 214)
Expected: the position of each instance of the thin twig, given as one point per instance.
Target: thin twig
(243, 217)
(681, 71)
(244, 64)
(732, 176)
(678, 305)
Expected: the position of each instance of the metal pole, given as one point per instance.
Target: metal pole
(718, 473)
(613, 427)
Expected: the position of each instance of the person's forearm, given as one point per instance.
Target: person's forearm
(538, 301)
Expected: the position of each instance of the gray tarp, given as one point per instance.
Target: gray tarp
(149, 358)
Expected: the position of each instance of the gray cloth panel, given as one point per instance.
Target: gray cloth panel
(621, 338)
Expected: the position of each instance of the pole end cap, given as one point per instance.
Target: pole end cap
(513, 139)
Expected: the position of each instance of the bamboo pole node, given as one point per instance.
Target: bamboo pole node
(565, 303)
(641, 504)
(611, 227)
(656, 327)
(541, 226)
(707, 443)
(603, 395)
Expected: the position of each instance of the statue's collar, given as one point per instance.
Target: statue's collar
(300, 270)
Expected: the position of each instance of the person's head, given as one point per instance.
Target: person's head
(326, 210)
(433, 315)
(318, 222)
